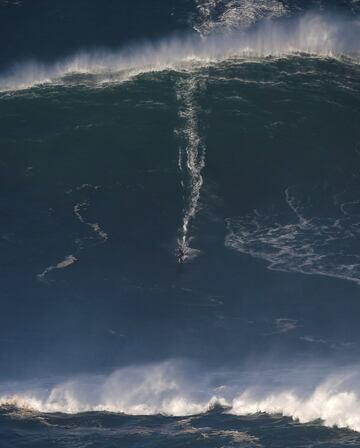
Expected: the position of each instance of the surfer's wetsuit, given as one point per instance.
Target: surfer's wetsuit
(180, 255)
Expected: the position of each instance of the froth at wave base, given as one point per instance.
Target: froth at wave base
(309, 34)
(176, 388)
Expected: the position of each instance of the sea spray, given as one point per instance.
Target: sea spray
(323, 36)
(178, 388)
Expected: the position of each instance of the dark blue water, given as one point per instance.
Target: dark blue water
(180, 224)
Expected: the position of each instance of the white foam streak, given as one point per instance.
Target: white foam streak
(142, 390)
(191, 158)
(68, 261)
(312, 246)
(310, 34)
(99, 232)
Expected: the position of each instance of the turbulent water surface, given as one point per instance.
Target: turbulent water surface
(180, 224)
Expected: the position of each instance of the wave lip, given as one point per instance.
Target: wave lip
(309, 34)
(140, 390)
(191, 161)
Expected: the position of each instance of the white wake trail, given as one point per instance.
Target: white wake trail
(99, 232)
(66, 262)
(192, 152)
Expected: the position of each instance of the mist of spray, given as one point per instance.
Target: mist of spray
(310, 34)
(179, 388)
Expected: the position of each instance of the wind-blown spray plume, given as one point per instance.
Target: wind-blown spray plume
(178, 389)
(311, 34)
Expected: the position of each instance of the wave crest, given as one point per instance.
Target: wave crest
(179, 389)
(310, 34)
(224, 15)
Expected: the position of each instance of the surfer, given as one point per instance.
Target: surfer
(180, 255)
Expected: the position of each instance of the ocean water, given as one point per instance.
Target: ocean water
(180, 224)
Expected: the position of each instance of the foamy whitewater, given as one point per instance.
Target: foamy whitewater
(170, 389)
(310, 245)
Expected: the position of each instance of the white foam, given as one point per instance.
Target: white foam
(311, 34)
(330, 402)
(192, 152)
(176, 388)
(99, 232)
(310, 245)
(66, 262)
(139, 390)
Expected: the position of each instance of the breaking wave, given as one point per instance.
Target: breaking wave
(176, 389)
(310, 34)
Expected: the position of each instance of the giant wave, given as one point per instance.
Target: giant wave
(313, 34)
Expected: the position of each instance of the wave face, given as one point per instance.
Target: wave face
(222, 128)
